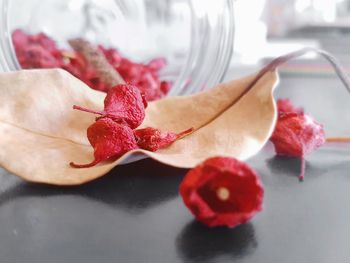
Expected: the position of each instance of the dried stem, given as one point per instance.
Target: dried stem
(338, 139)
(302, 170)
(283, 59)
(102, 114)
(295, 54)
(75, 107)
(98, 61)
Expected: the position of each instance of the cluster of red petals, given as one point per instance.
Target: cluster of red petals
(222, 192)
(40, 51)
(113, 134)
(296, 133)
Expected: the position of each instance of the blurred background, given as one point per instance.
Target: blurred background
(194, 36)
(267, 28)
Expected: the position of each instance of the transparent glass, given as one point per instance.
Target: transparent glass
(195, 36)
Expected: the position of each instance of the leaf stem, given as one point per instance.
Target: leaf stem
(88, 165)
(75, 107)
(271, 66)
(285, 58)
(185, 133)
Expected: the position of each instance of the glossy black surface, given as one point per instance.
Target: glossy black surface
(134, 214)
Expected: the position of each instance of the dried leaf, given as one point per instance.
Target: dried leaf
(41, 133)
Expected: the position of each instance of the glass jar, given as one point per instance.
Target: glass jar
(195, 36)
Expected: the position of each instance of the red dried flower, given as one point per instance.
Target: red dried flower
(222, 192)
(297, 134)
(125, 101)
(109, 140)
(124, 104)
(152, 139)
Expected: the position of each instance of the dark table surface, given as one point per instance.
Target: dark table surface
(134, 214)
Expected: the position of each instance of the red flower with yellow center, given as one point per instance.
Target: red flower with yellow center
(222, 192)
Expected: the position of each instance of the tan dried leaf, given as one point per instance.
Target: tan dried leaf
(41, 133)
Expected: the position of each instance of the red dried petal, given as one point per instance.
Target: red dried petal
(165, 86)
(131, 72)
(112, 55)
(145, 77)
(153, 139)
(44, 41)
(296, 135)
(20, 39)
(144, 100)
(40, 51)
(150, 86)
(34, 56)
(222, 192)
(124, 104)
(157, 64)
(109, 140)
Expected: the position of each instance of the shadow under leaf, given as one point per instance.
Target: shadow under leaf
(135, 186)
